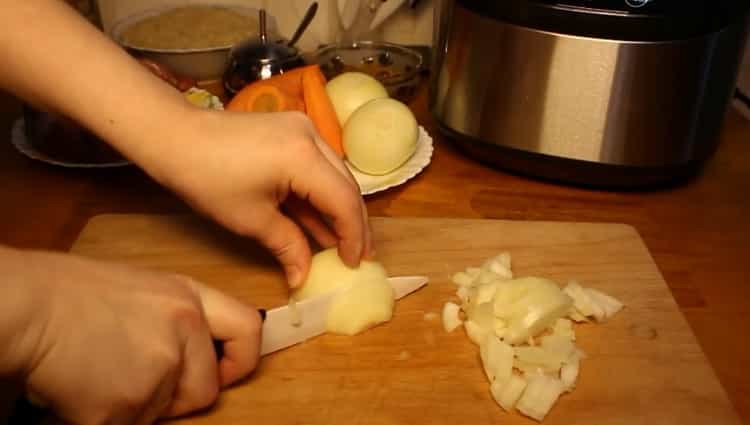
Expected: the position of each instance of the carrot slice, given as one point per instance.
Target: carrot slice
(289, 82)
(265, 98)
(301, 89)
(320, 109)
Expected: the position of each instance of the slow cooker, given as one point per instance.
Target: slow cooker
(604, 93)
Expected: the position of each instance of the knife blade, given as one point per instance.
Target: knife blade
(280, 331)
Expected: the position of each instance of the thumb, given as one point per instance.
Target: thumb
(237, 326)
(284, 238)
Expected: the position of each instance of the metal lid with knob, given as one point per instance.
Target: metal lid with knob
(261, 58)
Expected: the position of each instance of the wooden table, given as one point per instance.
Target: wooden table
(698, 233)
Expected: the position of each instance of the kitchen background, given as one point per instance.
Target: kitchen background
(411, 26)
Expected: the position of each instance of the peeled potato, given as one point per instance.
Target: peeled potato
(351, 90)
(380, 136)
(366, 299)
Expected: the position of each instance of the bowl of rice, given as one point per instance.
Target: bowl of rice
(192, 40)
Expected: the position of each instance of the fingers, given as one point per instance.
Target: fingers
(328, 191)
(160, 401)
(238, 327)
(288, 244)
(198, 386)
(339, 165)
(334, 160)
(368, 251)
(311, 220)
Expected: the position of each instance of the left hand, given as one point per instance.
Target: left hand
(267, 176)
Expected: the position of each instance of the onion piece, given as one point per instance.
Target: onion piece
(540, 395)
(451, 321)
(506, 394)
(497, 359)
(475, 332)
(463, 279)
(529, 305)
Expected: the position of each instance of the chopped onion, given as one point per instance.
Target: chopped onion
(507, 393)
(450, 316)
(463, 293)
(564, 327)
(463, 279)
(569, 372)
(475, 332)
(525, 324)
(538, 357)
(497, 359)
(529, 305)
(540, 395)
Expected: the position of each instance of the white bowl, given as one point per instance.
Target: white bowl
(206, 64)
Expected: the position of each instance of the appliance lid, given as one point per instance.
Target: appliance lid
(631, 20)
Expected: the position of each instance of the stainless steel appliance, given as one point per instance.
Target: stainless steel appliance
(605, 93)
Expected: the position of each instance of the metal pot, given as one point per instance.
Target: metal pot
(206, 64)
(616, 94)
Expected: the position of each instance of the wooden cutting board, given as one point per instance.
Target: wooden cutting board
(644, 366)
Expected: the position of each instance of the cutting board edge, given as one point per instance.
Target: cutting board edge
(94, 221)
(629, 227)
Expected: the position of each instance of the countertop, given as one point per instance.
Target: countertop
(698, 232)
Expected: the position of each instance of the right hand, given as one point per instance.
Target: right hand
(115, 344)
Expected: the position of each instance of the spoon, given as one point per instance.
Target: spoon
(309, 15)
(263, 30)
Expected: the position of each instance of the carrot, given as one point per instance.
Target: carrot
(290, 82)
(301, 89)
(265, 98)
(320, 109)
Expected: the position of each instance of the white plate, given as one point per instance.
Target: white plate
(370, 184)
(23, 144)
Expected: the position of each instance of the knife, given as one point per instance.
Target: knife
(279, 332)
(296, 323)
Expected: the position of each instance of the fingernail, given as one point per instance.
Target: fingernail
(369, 252)
(353, 255)
(262, 313)
(295, 277)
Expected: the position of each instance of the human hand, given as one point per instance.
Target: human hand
(114, 344)
(267, 176)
